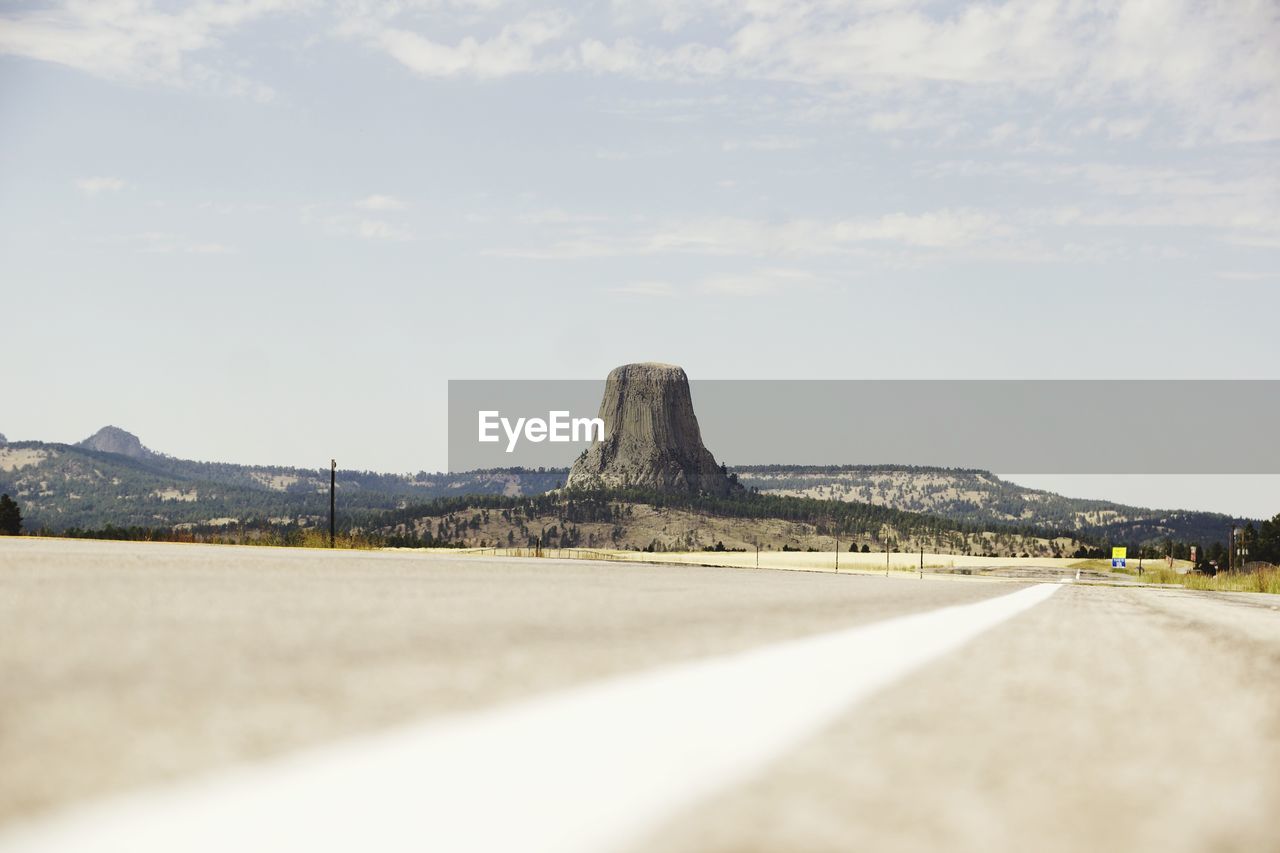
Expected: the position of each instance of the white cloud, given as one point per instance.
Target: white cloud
(758, 282)
(628, 56)
(380, 202)
(513, 50)
(731, 236)
(748, 283)
(646, 289)
(1239, 203)
(890, 121)
(1212, 66)
(1208, 66)
(556, 216)
(1238, 275)
(134, 41)
(377, 229)
(165, 243)
(95, 185)
(338, 224)
(767, 143)
(939, 229)
(1124, 127)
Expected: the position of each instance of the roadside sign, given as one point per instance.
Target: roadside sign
(1119, 558)
(1193, 553)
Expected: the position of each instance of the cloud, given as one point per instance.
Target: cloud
(1125, 127)
(380, 202)
(1238, 203)
(340, 224)
(1210, 66)
(1237, 275)
(556, 216)
(758, 282)
(93, 186)
(376, 229)
(165, 243)
(734, 236)
(134, 41)
(767, 143)
(513, 50)
(646, 289)
(627, 56)
(891, 121)
(749, 283)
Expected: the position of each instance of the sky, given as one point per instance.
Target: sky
(269, 231)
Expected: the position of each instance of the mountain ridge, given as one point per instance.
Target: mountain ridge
(77, 485)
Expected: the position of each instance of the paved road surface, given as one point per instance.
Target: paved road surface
(1082, 717)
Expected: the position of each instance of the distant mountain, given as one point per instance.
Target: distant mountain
(979, 497)
(112, 439)
(111, 478)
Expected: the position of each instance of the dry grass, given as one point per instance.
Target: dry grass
(1261, 580)
(900, 562)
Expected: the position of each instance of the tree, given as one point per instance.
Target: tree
(10, 517)
(1268, 543)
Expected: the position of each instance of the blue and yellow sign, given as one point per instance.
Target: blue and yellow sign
(1119, 558)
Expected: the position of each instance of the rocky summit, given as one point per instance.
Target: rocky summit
(651, 440)
(112, 439)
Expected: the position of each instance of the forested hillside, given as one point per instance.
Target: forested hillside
(61, 486)
(655, 520)
(980, 497)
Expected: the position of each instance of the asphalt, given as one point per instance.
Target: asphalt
(1101, 718)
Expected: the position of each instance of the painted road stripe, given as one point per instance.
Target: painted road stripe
(586, 769)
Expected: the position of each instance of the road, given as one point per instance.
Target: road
(447, 700)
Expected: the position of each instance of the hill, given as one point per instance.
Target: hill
(112, 478)
(980, 497)
(63, 486)
(656, 520)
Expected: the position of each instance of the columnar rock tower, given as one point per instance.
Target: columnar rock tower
(651, 439)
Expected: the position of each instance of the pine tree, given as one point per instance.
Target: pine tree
(10, 517)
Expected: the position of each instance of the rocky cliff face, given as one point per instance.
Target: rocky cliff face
(651, 438)
(112, 439)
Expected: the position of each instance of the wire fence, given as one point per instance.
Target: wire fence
(552, 553)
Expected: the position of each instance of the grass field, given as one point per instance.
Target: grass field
(1262, 580)
(897, 562)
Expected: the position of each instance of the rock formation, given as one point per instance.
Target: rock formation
(651, 440)
(112, 439)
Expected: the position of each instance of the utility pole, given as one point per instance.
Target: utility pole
(333, 484)
(921, 562)
(886, 558)
(837, 553)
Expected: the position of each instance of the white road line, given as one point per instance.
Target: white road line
(586, 769)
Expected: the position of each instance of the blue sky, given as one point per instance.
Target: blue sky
(270, 231)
